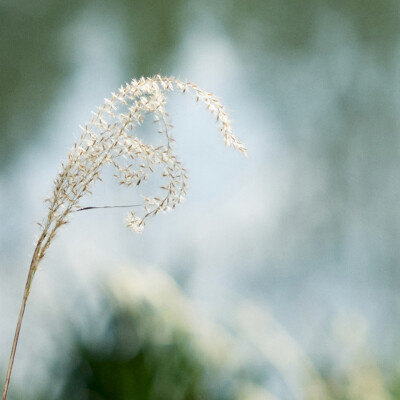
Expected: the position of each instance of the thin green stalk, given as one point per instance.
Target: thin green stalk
(32, 270)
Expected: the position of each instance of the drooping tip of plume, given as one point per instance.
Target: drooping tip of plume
(231, 141)
(135, 223)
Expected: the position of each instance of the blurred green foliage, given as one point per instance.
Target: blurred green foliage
(146, 352)
(32, 67)
(33, 62)
(131, 369)
(152, 347)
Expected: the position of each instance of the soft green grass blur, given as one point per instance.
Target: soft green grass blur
(157, 345)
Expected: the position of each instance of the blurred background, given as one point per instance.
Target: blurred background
(278, 277)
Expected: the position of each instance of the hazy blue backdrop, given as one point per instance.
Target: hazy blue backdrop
(307, 226)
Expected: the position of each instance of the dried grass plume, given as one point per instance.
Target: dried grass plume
(109, 139)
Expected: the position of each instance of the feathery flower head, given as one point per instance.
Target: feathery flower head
(109, 139)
